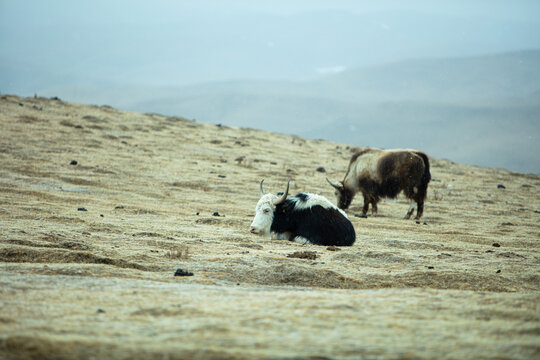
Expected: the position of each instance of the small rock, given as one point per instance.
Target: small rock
(240, 159)
(498, 271)
(197, 213)
(73, 162)
(180, 272)
(333, 248)
(119, 207)
(430, 267)
(100, 311)
(216, 214)
(222, 176)
(273, 163)
(309, 255)
(101, 215)
(321, 169)
(81, 209)
(496, 245)
(501, 186)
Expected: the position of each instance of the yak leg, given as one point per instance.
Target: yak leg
(420, 210)
(366, 206)
(301, 240)
(373, 207)
(411, 210)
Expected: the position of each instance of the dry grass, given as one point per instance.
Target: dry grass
(166, 193)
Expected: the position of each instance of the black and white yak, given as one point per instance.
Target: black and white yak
(385, 173)
(304, 218)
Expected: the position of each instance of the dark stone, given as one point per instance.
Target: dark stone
(333, 248)
(496, 245)
(81, 209)
(73, 162)
(197, 213)
(431, 267)
(119, 207)
(216, 214)
(498, 271)
(222, 176)
(321, 169)
(308, 255)
(180, 272)
(501, 186)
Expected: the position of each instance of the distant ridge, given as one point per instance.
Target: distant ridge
(479, 110)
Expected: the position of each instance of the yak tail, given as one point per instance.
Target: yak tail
(426, 176)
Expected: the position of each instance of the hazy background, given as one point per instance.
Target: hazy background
(458, 79)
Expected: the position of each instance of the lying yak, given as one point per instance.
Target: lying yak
(385, 173)
(304, 218)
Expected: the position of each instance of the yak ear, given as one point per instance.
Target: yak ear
(338, 185)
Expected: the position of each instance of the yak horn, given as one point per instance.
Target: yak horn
(284, 196)
(334, 185)
(262, 191)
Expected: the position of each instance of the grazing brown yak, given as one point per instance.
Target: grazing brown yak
(385, 173)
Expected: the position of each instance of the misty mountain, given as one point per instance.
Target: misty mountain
(191, 46)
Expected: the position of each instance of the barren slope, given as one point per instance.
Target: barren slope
(88, 249)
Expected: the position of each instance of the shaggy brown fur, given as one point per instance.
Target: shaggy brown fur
(385, 173)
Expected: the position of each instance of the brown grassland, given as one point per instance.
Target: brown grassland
(100, 207)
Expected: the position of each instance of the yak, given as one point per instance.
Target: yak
(303, 218)
(385, 173)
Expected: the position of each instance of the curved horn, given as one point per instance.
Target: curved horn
(262, 191)
(284, 196)
(334, 185)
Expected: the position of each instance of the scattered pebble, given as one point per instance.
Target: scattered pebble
(430, 267)
(180, 272)
(100, 311)
(333, 248)
(81, 209)
(197, 213)
(309, 255)
(216, 214)
(101, 215)
(501, 186)
(222, 176)
(73, 162)
(498, 271)
(119, 207)
(321, 169)
(496, 245)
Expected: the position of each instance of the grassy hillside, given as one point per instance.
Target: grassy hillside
(480, 110)
(101, 207)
